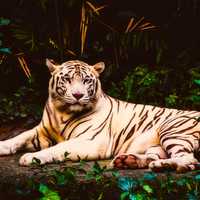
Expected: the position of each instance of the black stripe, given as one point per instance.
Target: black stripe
(97, 132)
(74, 119)
(84, 131)
(53, 81)
(110, 129)
(67, 123)
(49, 117)
(135, 105)
(34, 144)
(183, 151)
(57, 79)
(142, 110)
(177, 125)
(143, 118)
(127, 103)
(53, 142)
(38, 141)
(76, 127)
(178, 138)
(111, 107)
(129, 123)
(148, 126)
(172, 146)
(130, 133)
(117, 141)
(153, 108)
(159, 113)
(168, 116)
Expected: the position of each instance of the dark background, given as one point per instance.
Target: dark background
(159, 66)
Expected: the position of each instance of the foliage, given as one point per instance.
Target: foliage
(147, 86)
(23, 103)
(105, 183)
(4, 22)
(47, 193)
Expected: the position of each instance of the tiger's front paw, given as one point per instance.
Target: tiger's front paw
(7, 148)
(28, 159)
(38, 158)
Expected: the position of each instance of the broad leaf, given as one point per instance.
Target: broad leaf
(4, 21)
(5, 50)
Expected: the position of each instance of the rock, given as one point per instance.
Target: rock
(17, 182)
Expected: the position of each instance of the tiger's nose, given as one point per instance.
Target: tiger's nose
(78, 95)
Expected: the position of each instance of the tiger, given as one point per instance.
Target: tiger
(81, 122)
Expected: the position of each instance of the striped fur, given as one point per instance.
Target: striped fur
(81, 121)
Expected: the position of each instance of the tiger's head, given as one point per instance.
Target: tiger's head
(74, 85)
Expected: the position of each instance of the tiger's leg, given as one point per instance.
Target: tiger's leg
(31, 140)
(138, 161)
(74, 149)
(17, 143)
(180, 139)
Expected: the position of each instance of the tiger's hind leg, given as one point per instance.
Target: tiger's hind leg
(138, 161)
(180, 139)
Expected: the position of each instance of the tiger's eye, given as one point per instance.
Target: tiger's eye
(68, 79)
(86, 80)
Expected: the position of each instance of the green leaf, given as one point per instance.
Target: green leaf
(60, 179)
(171, 100)
(127, 184)
(197, 177)
(197, 82)
(136, 197)
(36, 161)
(181, 182)
(147, 188)
(97, 168)
(192, 196)
(5, 50)
(43, 188)
(48, 193)
(124, 195)
(4, 21)
(195, 98)
(69, 174)
(64, 177)
(115, 173)
(150, 176)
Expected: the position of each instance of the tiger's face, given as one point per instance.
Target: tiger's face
(74, 85)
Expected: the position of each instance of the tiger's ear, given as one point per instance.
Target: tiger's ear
(99, 67)
(51, 65)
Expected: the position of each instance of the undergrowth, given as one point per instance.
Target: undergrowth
(74, 183)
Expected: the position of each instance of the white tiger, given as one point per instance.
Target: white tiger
(81, 122)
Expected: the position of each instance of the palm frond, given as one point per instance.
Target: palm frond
(24, 65)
